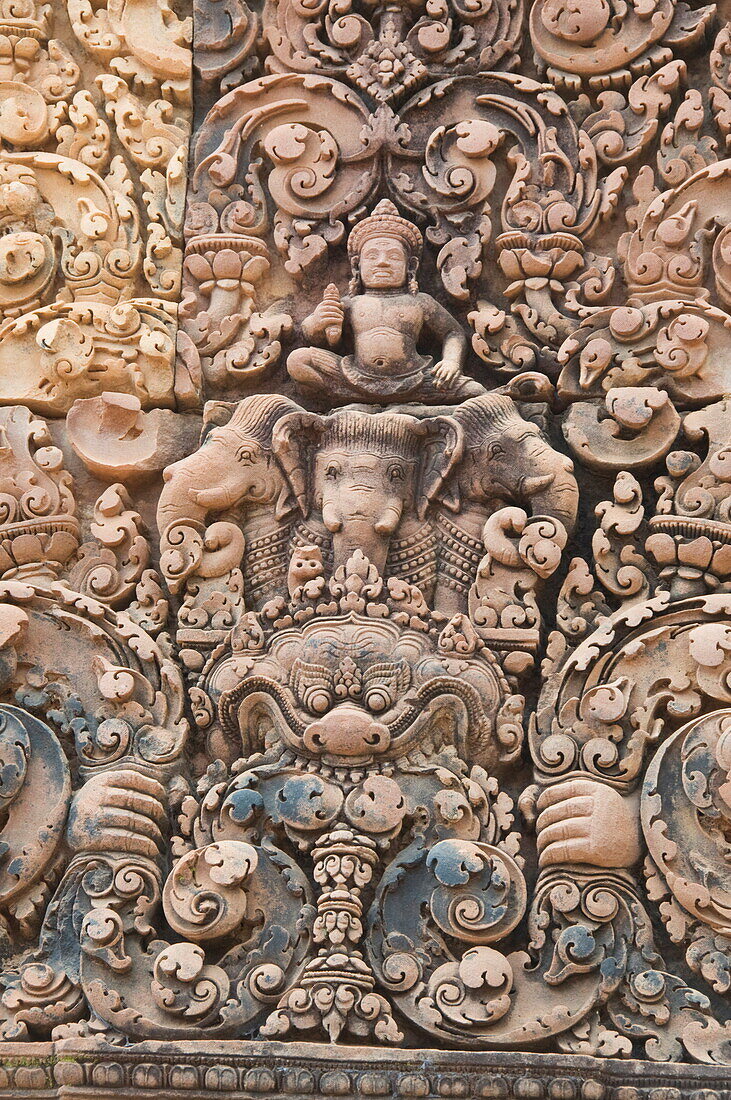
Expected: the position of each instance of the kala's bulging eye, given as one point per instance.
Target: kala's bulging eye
(378, 698)
(317, 699)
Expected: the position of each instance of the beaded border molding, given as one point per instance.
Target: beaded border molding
(247, 1070)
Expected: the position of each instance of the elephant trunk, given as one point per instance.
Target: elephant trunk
(365, 533)
(356, 525)
(177, 503)
(360, 535)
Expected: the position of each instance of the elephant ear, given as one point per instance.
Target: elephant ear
(293, 442)
(442, 451)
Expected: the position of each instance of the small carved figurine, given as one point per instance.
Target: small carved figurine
(306, 575)
(384, 325)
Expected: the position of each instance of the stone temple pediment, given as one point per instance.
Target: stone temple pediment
(365, 549)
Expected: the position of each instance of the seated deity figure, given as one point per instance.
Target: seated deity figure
(382, 320)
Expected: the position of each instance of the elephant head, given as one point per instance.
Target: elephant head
(508, 460)
(365, 475)
(234, 467)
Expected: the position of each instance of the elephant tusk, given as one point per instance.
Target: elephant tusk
(331, 519)
(529, 486)
(388, 522)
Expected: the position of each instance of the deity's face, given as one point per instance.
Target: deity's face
(384, 263)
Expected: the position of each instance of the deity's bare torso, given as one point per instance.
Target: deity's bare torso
(386, 329)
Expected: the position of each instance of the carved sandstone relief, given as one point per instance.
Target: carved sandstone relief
(365, 607)
(94, 136)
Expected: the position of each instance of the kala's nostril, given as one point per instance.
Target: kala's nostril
(347, 731)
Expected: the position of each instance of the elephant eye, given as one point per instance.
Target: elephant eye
(495, 450)
(332, 471)
(245, 456)
(396, 472)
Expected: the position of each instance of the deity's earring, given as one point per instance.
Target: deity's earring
(354, 286)
(413, 269)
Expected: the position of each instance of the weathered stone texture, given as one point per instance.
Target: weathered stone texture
(365, 549)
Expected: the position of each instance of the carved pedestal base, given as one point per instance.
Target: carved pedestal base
(248, 1070)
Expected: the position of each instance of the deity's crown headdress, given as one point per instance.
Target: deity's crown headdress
(385, 221)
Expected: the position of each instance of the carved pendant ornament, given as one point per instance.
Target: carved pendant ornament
(365, 545)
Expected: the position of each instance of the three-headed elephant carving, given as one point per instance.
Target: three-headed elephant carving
(362, 477)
